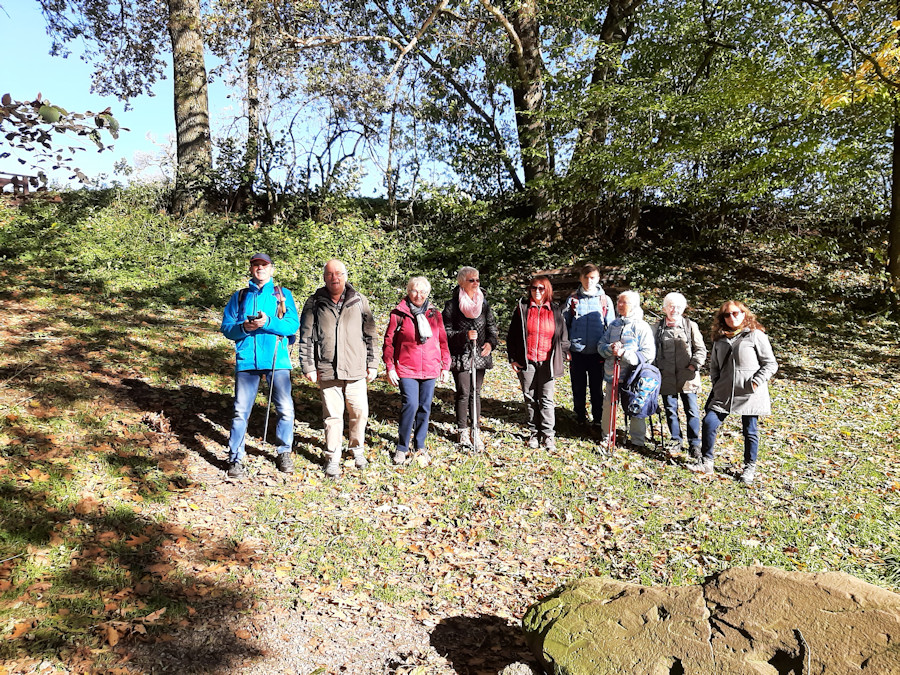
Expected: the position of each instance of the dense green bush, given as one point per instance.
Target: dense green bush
(120, 240)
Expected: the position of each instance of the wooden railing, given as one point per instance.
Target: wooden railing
(21, 184)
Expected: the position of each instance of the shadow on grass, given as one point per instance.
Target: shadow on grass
(480, 644)
(91, 568)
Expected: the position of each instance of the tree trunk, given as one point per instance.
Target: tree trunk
(615, 30)
(194, 145)
(893, 261)
(251, 153)
(528, 98)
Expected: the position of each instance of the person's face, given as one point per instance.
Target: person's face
(471, 282)
(261, 271)
(590, 281)
(734, 316)
(539, 292)
(674, 312)
(623, 306)
(335, 278)
(418, 295)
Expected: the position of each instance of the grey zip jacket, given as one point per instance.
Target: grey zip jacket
(735, 366)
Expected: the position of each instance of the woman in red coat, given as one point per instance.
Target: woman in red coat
(416, 354)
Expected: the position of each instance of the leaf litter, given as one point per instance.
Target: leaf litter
(143, 558)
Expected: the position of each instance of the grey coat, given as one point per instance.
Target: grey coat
(675, 351)
(735, 366)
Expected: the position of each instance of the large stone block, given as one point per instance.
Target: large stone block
(743, 621)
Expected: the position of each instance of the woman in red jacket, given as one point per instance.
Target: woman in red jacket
(416, 354)
(537, 344)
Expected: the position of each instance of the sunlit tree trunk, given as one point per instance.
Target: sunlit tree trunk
(528, 93)
(251, 154)
(194, 145)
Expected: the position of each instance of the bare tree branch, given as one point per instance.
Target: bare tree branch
(315, 41)
(412, 43)
(513, 36)
(464, 94)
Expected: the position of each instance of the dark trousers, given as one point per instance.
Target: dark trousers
(587, 370)
(463, 381)
(749, 425)
(538, 388)
(415, 410)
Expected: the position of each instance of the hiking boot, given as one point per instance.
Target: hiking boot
(400, 457)
(359, 458)
(748, 474)
(550, 443)
(695, 453)
(673, 446)
(701, 466)
(333, 467)
(533, 442)
(285, 462)
(236, 470)
(464, 439)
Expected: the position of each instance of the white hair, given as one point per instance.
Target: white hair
(343, 267)
(420, 282)
(464, 272)
(633, 298)
(675, 299)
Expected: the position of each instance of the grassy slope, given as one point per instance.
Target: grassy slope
(117, 528)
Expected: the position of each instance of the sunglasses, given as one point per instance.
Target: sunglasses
(539, 288)
(474, 281)
(735, 314)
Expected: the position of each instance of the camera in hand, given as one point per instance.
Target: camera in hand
(254, 318)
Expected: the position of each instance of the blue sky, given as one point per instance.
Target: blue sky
(28, 69)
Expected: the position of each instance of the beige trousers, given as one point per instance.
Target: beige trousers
(336, 396)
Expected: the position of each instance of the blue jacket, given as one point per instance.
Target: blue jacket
(255, 351)
(586, 320)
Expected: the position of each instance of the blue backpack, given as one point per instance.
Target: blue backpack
(639, 392)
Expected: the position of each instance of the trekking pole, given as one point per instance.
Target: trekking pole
(474, 417)
(271, 382)
(613, 404)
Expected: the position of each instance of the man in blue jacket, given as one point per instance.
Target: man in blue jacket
(260, 319)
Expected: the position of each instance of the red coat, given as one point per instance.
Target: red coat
(404, 353)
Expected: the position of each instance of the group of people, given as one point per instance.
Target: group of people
(337, 351)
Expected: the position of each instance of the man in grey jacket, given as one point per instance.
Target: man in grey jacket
(337, 350)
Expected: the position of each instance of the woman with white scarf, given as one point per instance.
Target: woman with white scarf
(415, 353)
(468, 318)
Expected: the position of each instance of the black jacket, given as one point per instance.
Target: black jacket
(458, 324)
(516, 337)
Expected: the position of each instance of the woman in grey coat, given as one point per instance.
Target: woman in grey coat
(680, 353)
(741, 364)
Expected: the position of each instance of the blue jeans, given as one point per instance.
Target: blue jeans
(586, 369)
(415, 410)
(750, 425)
(691, 412)
(246, 384)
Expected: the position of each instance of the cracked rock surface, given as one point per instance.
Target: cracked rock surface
(745, 620)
